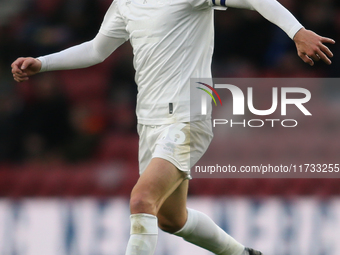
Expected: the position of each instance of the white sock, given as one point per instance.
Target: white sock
(144, 232)
(202, 231)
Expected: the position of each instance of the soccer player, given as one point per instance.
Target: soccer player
(172, 41)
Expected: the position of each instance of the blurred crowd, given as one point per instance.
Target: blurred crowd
(76, 116)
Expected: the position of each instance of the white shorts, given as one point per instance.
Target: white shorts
(182, 144)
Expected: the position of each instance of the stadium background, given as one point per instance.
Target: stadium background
(68, 143)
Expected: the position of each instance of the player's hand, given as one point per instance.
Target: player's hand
(310, 47)
(22, 68)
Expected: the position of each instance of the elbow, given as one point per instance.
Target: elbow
(97, 55)
(98, 58)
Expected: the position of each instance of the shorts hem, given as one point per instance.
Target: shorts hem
(175, 163)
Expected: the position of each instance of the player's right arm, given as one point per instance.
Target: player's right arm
(84, 55)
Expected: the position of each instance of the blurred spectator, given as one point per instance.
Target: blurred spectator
(42, 125)
(122, 96)
(9, 108)
(86, 130)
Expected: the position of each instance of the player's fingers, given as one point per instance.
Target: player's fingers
(327, 40)
(18, 72)
(326, 50)
(21, 75)
(16, 69)
(315, 57)
(306, 59)
(20, 79)
(17, 79)
(27, 63)
(17, 63)
(323, 57)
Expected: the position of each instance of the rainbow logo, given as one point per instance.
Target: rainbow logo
(212, 89)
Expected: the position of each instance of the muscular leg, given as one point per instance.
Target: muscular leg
(155, 185)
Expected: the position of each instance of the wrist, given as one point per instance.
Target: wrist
(39, 64)
(298, 33)
(42, 62)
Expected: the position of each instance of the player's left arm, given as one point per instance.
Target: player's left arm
(310, 46)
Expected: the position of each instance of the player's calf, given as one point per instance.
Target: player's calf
(170, 225)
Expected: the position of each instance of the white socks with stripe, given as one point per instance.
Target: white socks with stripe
(144, 232)
(203, 232)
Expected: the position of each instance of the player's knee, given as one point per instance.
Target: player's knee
(170, 226)
(142, 204)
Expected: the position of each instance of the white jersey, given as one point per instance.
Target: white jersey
(172, 42)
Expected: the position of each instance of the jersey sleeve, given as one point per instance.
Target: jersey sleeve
(113, 24)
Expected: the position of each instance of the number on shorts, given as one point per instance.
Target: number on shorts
(176, 134)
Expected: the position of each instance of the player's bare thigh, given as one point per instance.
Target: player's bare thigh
(159, 180)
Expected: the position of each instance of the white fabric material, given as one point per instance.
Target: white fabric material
(203, 232)
(144, 233)
(83, 55)
(273, 11)
(143, 223)
(172, 42)
(182, 144)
